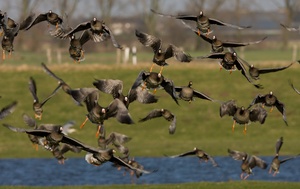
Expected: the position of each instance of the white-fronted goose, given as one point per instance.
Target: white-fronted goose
(97, 31)
(270, 100)
(203, 22)
(202, 155)
(242, 115)
(37, 105)
(98, 114)
(162, 113)
(50, 16)
(248, 162)
(187, 93)
(115, 88)
(275, 165)
(161, 56)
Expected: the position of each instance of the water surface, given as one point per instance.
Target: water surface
(75, 171)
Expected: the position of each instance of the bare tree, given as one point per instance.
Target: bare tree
(150, 18)
(106, 9)
(291, 7)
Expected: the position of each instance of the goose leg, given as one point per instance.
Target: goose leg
(208, 31)
(3, 55)
(82, 54)
(270, 170)
(38, 116)
(161, 69)
(84, 122)
(241, 176)
(271, 109)
(151, 67)
(154, 91)
(98, 131)
(36, 147)
(245, 129)
(246, 177)
(233, 125)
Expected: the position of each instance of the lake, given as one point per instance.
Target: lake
(75, 171)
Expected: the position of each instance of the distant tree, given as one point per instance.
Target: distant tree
(105, 7)
(291, 7)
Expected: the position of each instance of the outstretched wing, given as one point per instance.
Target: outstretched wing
(240, 44)
(8, 109)
(281, 108)
(202, 95)
(79, 27)
(180, 55)
(110, 86)
(148, 40)
(256, 161)
(153, 114)
(32, 89)
(228, 108)
(189, 153)
(49, 72)
(290, 28)
(221, 23)
(292, 85)
(183, 17)
(258, 113)
(237, 155)
(38, 19)
(269, 70)
(278, 145)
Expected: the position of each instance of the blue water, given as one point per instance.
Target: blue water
(75, 171)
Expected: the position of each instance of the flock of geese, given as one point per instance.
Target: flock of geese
(55, 138)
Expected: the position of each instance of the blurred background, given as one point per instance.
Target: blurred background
(124, 16)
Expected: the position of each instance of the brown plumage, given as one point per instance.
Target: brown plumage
(11, 30)
(203, 22)
(161, 56)
(242, 115)
(187, 93)
(154, 80)
(217, 46)
(97, 30)
(275, 165)
(270, 100)
(98, 114)
(77, 94)
(165, 114)
(50, 16)
(230, 61)
(202, 155)
(254, 72)
(37, 104)
(248, 162)
(115, 88)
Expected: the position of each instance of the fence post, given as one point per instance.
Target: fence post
(126, 55)
(134, 58)
(58, 55)
(48, 52)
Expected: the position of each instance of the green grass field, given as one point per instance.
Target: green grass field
(198, 124)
